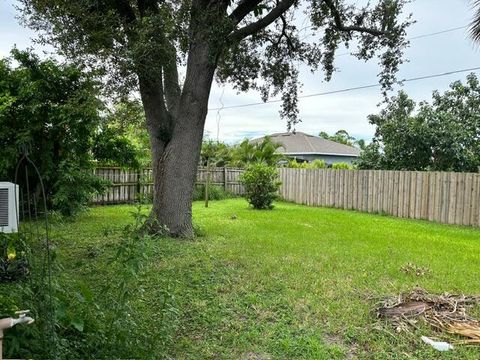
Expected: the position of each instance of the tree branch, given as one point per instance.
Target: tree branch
(170, 80)
(341, 27)
(262, 23)
(284, 33)
(243, 8)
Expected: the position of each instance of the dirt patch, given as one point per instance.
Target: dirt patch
(336, 340)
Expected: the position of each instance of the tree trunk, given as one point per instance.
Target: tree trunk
(175, 160)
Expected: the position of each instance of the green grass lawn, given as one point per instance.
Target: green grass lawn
(291, 283)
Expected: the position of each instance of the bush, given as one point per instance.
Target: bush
(74, 188)
(342, 165)
(315, 164)
(318, 164)
(53, 110)
(214, 193)
(261, 185)
(111, 148)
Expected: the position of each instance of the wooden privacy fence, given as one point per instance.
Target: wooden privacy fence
(130, 185)
(445, 197)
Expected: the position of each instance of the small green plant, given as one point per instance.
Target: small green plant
(315, 164)
(261, 185)
(318, 164)
(74, 189)
(13, 262)
(342, 165)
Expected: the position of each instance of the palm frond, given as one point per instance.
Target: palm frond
(474, 29)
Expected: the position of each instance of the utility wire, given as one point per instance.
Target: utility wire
(366, 86)
(438, 32)
(350, 89)
(424, 36)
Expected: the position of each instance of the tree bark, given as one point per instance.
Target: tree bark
(175, 157)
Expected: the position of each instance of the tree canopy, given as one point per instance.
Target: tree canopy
(171, 51)
(443, 135)
(254, 43)
(343, 137)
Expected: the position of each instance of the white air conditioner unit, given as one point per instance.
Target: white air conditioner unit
(8, 207)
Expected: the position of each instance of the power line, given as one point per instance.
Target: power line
(350, 89)
(424, 35)
(438, 32)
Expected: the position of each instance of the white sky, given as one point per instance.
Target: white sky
(349, 111)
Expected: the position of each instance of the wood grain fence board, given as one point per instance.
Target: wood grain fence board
(432, 180)
(350, 189)
(380, 175)
(436, 194)
(318, 184)
(396, 185)
(460, 199)
(354, 190)
(475, 199)
(365, 190)
(391, 191)
(474, 212)
(362, 191)
(414, 194)
(339, 198)
(467, 198)
(438, 197)
(418, 197)
(370, 186)
(408, 191)
(385, 192)
(478, 199)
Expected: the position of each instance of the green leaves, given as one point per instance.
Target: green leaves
(261, 185)
(439, 136)
(78, 323)
(54, 109)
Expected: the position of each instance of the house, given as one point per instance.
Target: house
(305, 147)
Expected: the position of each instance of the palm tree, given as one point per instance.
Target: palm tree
(475, 24)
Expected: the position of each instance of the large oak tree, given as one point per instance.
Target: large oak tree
(254, 44)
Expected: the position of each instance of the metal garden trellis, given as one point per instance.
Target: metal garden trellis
(34, 230)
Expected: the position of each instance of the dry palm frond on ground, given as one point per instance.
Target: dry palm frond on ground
(445, 313)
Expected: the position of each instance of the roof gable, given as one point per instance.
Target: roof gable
(301, 143)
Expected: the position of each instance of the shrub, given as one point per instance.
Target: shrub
(261, 185)
(53, 110)
(74, 189)
(342, 165)
(315, 164)
(112, 148)
(318, 164)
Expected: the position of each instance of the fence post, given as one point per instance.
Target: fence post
(225, 173)
(207, 184)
